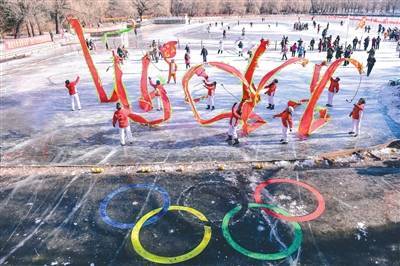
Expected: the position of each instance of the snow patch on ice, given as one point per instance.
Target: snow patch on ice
(230, 177)
(282, 163)
(352, 159)
(382, 152)
(362, 232)
(305, 164)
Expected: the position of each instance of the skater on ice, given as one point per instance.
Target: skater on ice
(73, 93)
(284, 52)
(173, 67)
(287, 123)
(210, 86)
(204, 53)
(270, 91)
(220, 47)
(157, 92)
(332, 90)
(121, 117)
(356, 115)
(240, 48)
(370, 63)
(187, 60)
(236, 113)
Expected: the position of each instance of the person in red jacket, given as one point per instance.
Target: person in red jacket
(271, 89)
(287, 122)
(157, 92)
(233, 124)
(173, 67)
(121, 117)
(357, 114)
(210, 86)
(332, 90)
(71, 86)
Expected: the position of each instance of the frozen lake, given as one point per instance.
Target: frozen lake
(37, 126)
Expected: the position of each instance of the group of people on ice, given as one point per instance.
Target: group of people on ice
(332, 47)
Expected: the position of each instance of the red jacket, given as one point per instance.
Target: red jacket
(71, 86)
(121, 117)
(271, 88)
(235, 116)
(286, 118)
(210, 87)
(357, 110)
(334, 86)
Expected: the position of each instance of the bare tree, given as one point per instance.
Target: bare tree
(143, 6)
(58, 10)
(15, 14)
(117, 8)
(252, 6)
(212, 7)
(231, 7)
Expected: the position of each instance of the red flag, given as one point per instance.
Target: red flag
(168, 50)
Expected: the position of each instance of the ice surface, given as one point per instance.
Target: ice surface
(37, 126)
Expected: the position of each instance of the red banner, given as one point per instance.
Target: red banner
(307, 123)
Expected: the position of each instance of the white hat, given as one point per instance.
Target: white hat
(291, 109)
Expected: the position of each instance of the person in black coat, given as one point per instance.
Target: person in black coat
(370, 64)
(355, 42)
(339, 52)
(329, 54)
(204, 53)
(347, 54)
(366, 43)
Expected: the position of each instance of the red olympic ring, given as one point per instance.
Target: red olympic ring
(315, 214)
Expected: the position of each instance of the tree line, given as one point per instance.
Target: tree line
(33, 17)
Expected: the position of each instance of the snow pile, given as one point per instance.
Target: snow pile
(305, 164)
(362, 232)
(352, 159)
(383, 152)
(282, 163)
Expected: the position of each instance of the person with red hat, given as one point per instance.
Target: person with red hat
(121, 117)
(210, 86)
(271, 89)
(71, 86)
(233, 124)
(332, 90)
(173, 67)
(287, 122)
(356, 114)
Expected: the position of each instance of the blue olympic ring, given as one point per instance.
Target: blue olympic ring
(104, 203)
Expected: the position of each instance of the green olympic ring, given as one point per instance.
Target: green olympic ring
(298, 235)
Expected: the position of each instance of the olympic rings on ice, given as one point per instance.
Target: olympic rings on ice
(108, 220)
(298, 235)
(158, 213)
(135, 237)
(235, 197)
(320, 199)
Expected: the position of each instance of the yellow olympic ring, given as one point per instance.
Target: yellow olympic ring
(170, 260)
